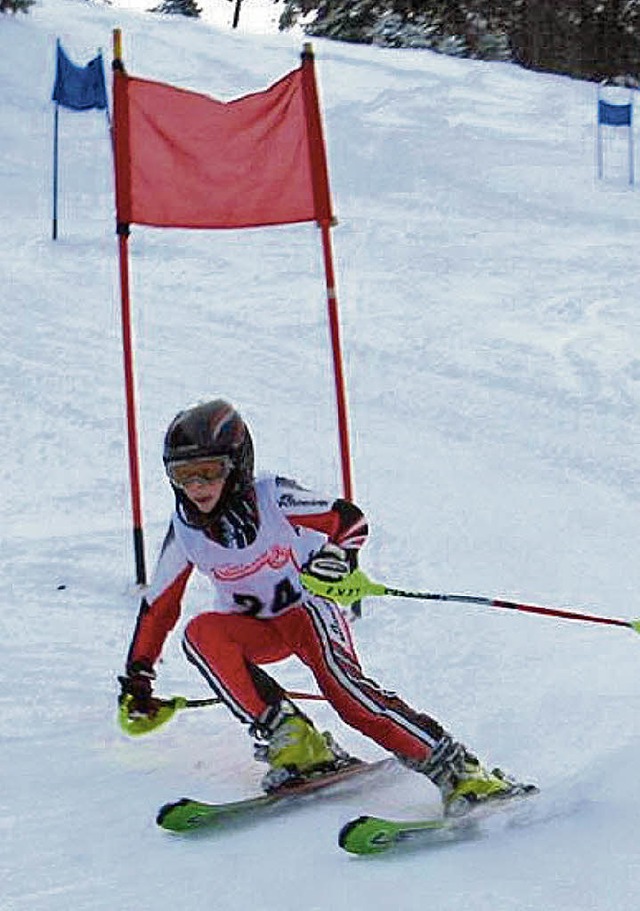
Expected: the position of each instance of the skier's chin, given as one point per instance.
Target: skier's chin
(206, 506)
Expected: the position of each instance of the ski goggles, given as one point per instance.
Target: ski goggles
(200, 471)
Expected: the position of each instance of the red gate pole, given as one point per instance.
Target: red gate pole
(132, 432)
(121, 159)
(325, 219)
(338, 371)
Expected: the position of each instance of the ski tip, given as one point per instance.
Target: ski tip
(635, 625)
(165, 811)
(345, 835)
(367, 835)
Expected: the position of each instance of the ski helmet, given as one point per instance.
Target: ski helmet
(212, 429)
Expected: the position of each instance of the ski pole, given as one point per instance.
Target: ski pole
(164, 710)
(215, 700)
(357, 585)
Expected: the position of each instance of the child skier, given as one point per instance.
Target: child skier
(252, 538)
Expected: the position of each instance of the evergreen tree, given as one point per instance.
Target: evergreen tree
(595, 39)
(178, 8)
(16, 6)
(472, 28)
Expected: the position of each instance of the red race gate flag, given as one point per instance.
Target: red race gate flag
(186, 160)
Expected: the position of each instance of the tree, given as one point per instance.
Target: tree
(16, 6)
(178, 8)
(593, 39)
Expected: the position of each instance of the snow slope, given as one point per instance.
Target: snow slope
(488, 293)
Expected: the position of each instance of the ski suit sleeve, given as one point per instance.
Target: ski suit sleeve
(160, 608)
(341, 521)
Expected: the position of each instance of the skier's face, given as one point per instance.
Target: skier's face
(202, 480)
(204, 494)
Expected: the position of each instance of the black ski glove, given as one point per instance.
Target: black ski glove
(136, 689)
(329, 564)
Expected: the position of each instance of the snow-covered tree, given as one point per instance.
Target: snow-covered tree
(450, 26)
(178, 8)
(16, 6)
(589, 38)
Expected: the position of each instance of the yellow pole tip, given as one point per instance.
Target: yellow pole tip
(117, 44)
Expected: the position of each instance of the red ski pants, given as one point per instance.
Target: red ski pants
(222, 645)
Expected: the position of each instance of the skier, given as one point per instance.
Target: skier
(252, 538)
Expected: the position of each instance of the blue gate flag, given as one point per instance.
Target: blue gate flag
(614, 115)
(80, 88)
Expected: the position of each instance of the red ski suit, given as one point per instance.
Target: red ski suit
(263, 614)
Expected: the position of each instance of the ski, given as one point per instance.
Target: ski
(186, 814)
(375, 835)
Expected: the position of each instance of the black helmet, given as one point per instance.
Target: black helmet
(212, 429)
